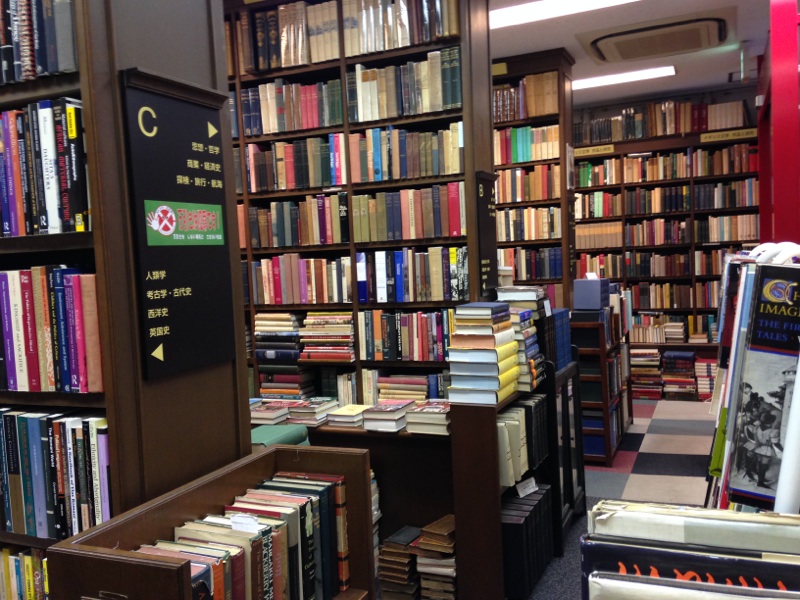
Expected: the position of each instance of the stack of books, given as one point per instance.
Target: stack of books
(677, 373)
(429, 417)
(397, 570)
(348, 415)
(327, 336)
(403, 387)
(675, 332)
(312, 412)
(436, 559)
(646, 382)
(285, 382)
(484, 367)
(277, 336)
(269, 413)
(529, 356)
(389, 415)
(705, 370)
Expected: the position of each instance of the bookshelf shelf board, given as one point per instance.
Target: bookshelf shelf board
(537, 121)
(410, 305)
(708, 277)
(596, 458)
(670, 311)
(677, 345)
(442, 241)
(725, 177)
(508, 401)
(665, 246)
(333, 363)
(292, 135)
(60, 242)
(593, 431)
(663, 215)
(665, 142)
(527, 203)
(599, 249)
(593, 404)
(290, 194)
(16, 95)
(352, 594)
(431, 117)
(359, 431)
(658, 182)
(659, 278)
(589, 377)
(318, 69)
(321, 249)
(94, 400)
(707, 309)
(404, 364)
(339, 306)
(598, 219)
(405, 183)
(539, 281)
(390, 56)
(29, 541)
(725, 243)
(598, 188)
(733, 210)
(530, 163)
(549, 242)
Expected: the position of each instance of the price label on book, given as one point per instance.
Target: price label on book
(526, 487)
(174, 151)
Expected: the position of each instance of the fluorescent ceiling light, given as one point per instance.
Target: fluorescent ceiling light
(591, 82)
(545, 9)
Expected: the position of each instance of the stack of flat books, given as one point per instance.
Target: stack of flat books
(269, 413)
(277, 336)
(705, 370)
(646, 382)
(402, 387)
(436, 559)
(484, 367)
(397, 570)
(285, 382)
(389, 415)
(675, 332)
(327, 336)
(529, 355)
(677, 373)
(429, 417)
(348, 415)
(312, 412)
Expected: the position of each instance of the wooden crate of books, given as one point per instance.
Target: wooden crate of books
(102, 561)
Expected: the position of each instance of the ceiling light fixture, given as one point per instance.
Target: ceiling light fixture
(545, 9)
(592, 82)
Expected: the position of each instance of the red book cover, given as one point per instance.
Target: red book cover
(406, 226)
(321, 221)
(288, 162)
(304, 109)
(338, 148)
(703, 117)
(313, 101)
(355, 158)
(454, 208)
(31, 345)
(328, 221)
(276, 280)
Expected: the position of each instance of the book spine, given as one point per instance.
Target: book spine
(63, 318)
(63, 517)
(37, 460)
(26, 475)
(4, 483)
(30, 331)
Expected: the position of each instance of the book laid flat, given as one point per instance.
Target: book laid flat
(481, 309)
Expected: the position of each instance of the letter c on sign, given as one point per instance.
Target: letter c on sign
(149, 111)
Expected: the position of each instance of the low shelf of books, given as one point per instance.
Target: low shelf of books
(532, 112)
(668, 212)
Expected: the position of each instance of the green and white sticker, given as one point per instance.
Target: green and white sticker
(183, 224)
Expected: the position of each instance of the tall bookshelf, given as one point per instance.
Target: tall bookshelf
(615, 225)
(163, 431)
(534, 208)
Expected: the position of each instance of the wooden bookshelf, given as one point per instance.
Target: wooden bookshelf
(511, 71)
(101, 560)
(148, 418)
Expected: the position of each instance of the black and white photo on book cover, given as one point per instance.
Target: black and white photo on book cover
(767, 384)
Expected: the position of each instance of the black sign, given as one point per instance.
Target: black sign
(183, 266)
(487, 231)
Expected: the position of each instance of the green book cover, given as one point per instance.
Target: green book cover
(26, 475)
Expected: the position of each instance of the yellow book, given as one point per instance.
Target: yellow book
(27, 565)
(484, 355)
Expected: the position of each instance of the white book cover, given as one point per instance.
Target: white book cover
(18, 329)
(380, 276)
(47, 135)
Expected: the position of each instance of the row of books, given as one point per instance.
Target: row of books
(734, 194)
(675, 165)
(531, 264)
(37, 41)
(529, 354)
(328, 336)
(661, 295)
(294, 544)
(598, 235)
(590, 175)
(668, 117)
(407, 275)
(728, 228)
(519, 224)
(292, 279)
(610, 266)
(647, 201)
(535, 95)
(414, 88)
(739, 158)
(706, 294)
(652, 232)
(542, 182)
(711, 262)
(315, 221)
(651, 264)
(410, 214)
(597, 205)
(50, 331)
(280, 106)
(43, 169)
(514, 145)
(515, 437)
(415, 336)
(646, 362)
(380, 384)
(23, 573)
(649, 328)
(54, 471)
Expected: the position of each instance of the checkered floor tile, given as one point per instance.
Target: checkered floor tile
(662, 458)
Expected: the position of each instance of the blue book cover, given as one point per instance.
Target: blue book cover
(399, 285)
(332, 163)
(377, 165)
(8, 336)
(255, 111)
(361, 276)
(37, 472)
(234, 114)
(63, 324)
(10, 199)
(246, 117)
(25, 470)
(437, 216)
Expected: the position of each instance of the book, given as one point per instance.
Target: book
(477, 396)
(483, 355)
(481, 309)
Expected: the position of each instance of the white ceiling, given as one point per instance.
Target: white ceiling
(708, 69)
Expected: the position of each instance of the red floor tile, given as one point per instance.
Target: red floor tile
(623, 463)
(643, 411)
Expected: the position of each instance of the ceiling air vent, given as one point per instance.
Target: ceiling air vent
(656, 41)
